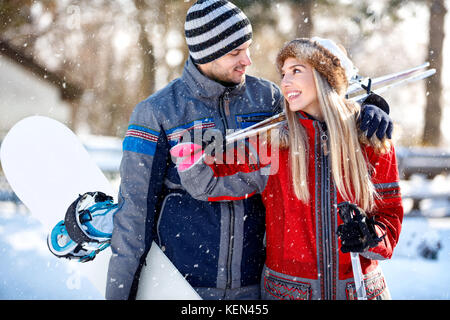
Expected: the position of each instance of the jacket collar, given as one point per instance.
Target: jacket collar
(203, 87)
(308, 120)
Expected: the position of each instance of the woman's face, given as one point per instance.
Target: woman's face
(299, 88)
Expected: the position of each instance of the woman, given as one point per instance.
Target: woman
(323, 162)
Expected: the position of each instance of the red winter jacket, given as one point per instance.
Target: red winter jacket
(303, 257)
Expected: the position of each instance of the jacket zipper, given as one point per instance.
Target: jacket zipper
(224, 111)
(226, 103)
(326, 216)
(253, 119)
(230, 245)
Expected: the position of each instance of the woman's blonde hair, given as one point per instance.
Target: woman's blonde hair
(350, 171)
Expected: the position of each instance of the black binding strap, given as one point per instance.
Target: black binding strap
(72, 227)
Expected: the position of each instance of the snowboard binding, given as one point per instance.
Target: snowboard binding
(86, 229)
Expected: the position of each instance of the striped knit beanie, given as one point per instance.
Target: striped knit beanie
(213, 28)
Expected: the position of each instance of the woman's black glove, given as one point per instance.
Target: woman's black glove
(357, 233)
(375, 117)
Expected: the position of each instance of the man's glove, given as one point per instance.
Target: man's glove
(375, 117)
(357, 233)
(186, 155)
(215, 150)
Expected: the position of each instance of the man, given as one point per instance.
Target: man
(218, 247)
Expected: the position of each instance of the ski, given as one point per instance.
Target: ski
(413, 78)
(362, 84)
(384, 83)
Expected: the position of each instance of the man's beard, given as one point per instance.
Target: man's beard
(227, 81)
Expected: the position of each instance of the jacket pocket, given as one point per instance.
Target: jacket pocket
(166, 201)
(188, 232)
(246, 120)
(375, 284)
(280, 287)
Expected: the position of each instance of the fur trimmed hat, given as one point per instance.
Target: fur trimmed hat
(325, 56)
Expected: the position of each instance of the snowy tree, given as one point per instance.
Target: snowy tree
(123, 51)
(433, 111)
(431, 135)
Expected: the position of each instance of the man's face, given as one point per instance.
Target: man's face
(231, 67)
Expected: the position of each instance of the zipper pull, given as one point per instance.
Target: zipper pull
(226, 104)
(324, 142)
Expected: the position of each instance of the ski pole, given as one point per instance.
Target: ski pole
(360, 287)
(358, 276)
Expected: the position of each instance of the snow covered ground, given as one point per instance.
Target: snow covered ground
(27, 268)
(408, 274)
(29, 271)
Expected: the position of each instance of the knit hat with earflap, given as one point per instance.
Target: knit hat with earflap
(214, 28)
(324, 55)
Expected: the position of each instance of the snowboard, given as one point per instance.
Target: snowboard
(47, 166)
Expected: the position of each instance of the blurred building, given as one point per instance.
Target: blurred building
(26, 89)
